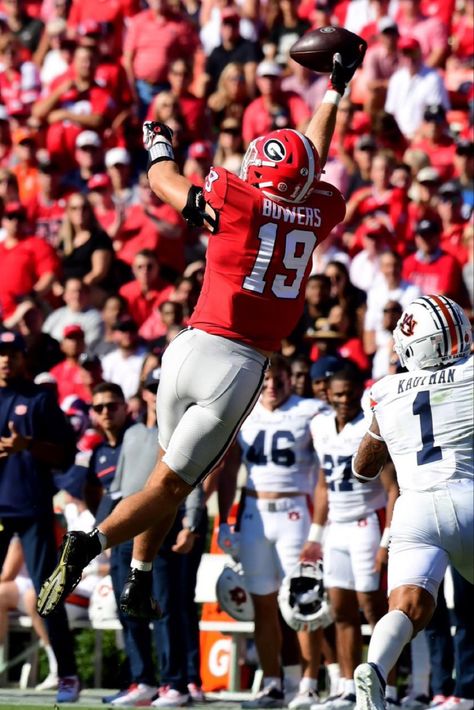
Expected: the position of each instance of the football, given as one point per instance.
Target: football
(315, 49)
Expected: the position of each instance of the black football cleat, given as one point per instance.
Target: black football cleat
(136, 599)
(77, 550)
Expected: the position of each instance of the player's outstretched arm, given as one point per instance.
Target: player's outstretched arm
(321, 127)
(165, 179)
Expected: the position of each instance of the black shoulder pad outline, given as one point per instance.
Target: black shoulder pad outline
(195, 213)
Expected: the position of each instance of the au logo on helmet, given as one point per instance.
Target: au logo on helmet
(274, 150)
(407, 326)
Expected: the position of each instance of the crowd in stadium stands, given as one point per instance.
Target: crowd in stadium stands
(97, 275)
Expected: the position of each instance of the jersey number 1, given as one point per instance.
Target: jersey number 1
(291, 260)
(422, 407)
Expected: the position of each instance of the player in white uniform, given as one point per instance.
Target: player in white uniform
(275, 445)
(355, 515)
(424, 420)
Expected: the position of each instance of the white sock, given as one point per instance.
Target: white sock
(342, 685)
(349, 687)
(391, 692)
(334, 676)
(275, 682)
(420, 666)
(292, 676)
(390, 635)
(52, 662)
(102, 539)
(307, 683)
(141, 566)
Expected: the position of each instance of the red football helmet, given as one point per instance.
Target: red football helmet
(284, 165)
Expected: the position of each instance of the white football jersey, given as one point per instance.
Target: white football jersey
(348, 498)
(426, 420)
(277, 448)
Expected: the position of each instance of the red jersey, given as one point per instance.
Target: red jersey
(258, 262)
(140, 305)
(443, 274)
(68, 376)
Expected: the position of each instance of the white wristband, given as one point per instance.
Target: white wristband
(161, 150)
(331, 97)
(374, 435)
(315, 533)
(385, 539)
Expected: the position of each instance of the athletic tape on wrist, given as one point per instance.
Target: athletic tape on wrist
(315, 533)
(161, 150)
(332, 97)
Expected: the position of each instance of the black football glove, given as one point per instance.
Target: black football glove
(342, 72)
(157, 139)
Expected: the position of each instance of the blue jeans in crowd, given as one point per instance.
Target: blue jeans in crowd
(448, 653)
(176, 634)
(40, 552)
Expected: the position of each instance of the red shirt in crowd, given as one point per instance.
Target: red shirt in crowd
(442, 274)
(257, 119)
(21, 267)
(140, 305)
(154, 42)
(68, 375)
(441, 154)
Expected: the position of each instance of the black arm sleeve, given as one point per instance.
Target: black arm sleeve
(195, 210)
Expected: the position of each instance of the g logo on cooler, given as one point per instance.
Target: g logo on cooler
(274, 150)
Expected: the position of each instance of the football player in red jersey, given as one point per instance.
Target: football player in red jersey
(264, 227)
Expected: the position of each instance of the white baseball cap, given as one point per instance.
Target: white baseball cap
(117, 156)
(88, 138)
(268, 68)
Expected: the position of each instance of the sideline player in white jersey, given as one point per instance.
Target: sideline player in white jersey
(275, 445)
(356, 515)
(424, 420)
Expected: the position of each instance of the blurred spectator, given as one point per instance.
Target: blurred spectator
(388, 285)
(453, 222)
(433, 138)
(385, 361)
(274, 108)
(86, 13)
(74, 102)
(318, 303)
(114, 308)
(365, 264)
(199, 161)
(55, 51)
(229, 148)
(429, 31)
(351, 346)
(343, 290)
(90, 373)
(468, 268)
(27, 264)
(300, 379)
(147, 290)
(360, 167)
(122, 366)
(230, 97)
(431, 268)
(413, 87)
(192, 108)
(85, 249)
(27, 29)
(47, 207)
(5, 137)
(146, 61)
(76, 311)
(67, 373)
(321, 371)
(380, 62)
(19, 79)
(233, 49)
(17, 594)
(304, 82)
(117, 163)
(43, 351)
(285, 29)
(378, 10)
(25, 163)
(157, 326)
(388, 135)
(35, 439)
(89, 160)
(464, 169)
